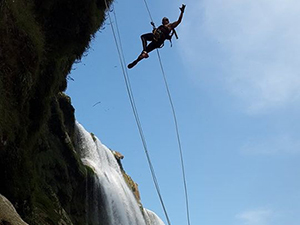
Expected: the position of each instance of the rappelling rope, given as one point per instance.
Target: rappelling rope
(176, 126)
(130, 94)
(178, 139)
(146, 4)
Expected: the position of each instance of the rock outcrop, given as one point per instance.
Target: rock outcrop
(8, 214)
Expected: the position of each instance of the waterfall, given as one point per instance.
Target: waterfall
(111, 200)
(152, 218)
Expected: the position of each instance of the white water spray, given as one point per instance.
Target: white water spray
(121, 207)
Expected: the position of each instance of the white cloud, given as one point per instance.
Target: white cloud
(283, 144)
(254, 43)
(255, 217)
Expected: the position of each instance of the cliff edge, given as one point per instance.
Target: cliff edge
(40, 173)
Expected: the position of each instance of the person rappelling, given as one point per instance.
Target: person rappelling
(158, 36)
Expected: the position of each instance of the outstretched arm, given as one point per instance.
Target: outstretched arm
(176, 23)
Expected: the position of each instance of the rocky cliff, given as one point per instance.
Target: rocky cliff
(40, 172)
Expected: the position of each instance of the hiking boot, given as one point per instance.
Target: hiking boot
(132, 64)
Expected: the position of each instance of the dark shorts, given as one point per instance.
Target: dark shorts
(153, 44)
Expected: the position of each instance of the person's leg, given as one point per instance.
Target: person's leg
(145, 38)
(148, 48)
(153, 45)
(139, 58)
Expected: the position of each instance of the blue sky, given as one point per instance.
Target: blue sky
(235, 82)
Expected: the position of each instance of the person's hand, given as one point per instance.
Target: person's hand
(182, 8)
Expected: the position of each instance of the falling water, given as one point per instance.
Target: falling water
(110, 190)
(152, 218)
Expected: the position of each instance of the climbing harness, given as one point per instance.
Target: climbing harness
(159, 34)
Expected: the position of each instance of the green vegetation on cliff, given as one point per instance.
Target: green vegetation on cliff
(40, 173)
